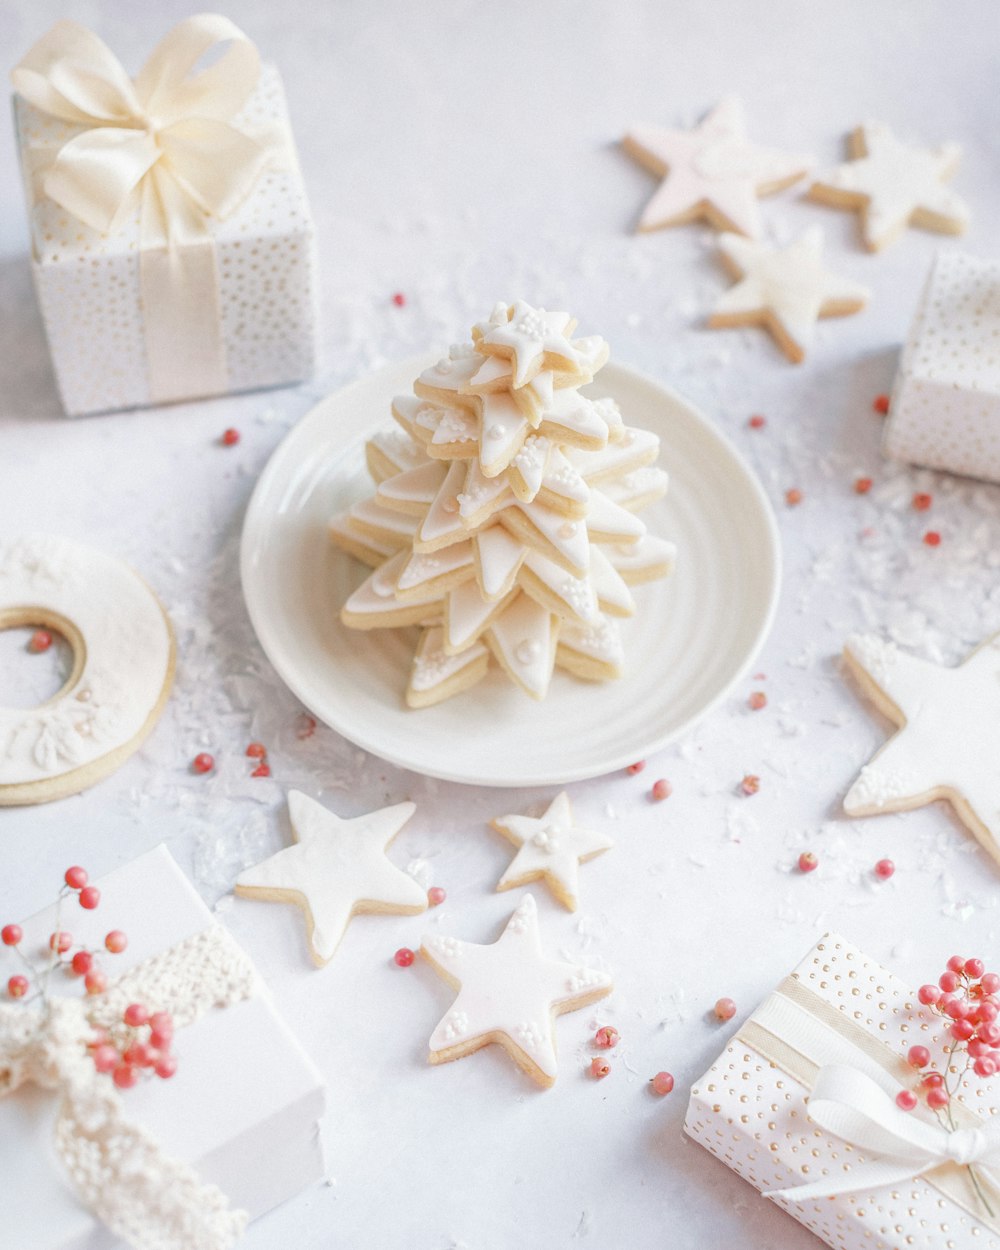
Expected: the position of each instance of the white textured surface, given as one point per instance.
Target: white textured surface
(440, 164)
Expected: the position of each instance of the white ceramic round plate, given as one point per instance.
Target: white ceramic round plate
(694, 635)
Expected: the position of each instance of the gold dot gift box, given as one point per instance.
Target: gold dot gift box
(178, 261)
(801, 1104)
(945, 407)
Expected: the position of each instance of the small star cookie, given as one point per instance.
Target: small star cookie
(712, 172)
(508, 993)
(336, 870)
(784, 289)
(946, 744)
(550, 849)
(894, 185)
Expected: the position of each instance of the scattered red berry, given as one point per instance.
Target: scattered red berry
(399, 299)
(757, 422)
(974, 968)
(305, 726)
(40, 641)
(808, 862)
(637, 767)
(662, 1083)
(862, 485)
(937, 1098)
(932, 538)
(750, 784)
(17, 986)
(932, 1080)
(793, 497)
(881, 404)
(262, 770)
(929, 995)
(135, 1015)
(725, 1009)
(884, 869)
(230, 437)
(11, 934)
(203, 763)
(60, 942)
(599, 1068)
(257, 751)
(90, 896)
(404, 957)
(436, 896)
(990, 983)
(82, 962)
(606, 1037)
(662, 789)
(956, 964)
(116, 941)
(962, 1030)
(922, 501)
(906, 1100)
(757, 701)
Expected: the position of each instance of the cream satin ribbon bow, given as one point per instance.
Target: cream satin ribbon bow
(150, 1200)
(164, 140)
(848, 1104)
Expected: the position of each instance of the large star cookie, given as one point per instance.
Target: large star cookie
(784, 289)
(336, 869)
(508, 993)
(894, 186)
(550, 849)
(946, 746)
(712, 172)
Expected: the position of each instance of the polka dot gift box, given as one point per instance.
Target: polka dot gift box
(945, 407)
(864, 1109)
(172, 242)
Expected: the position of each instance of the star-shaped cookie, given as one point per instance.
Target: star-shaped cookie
(713, 172)
(551, 848)
(894, 185)
(946, 745)
(336, 869)
(784, 289)
(508, 993)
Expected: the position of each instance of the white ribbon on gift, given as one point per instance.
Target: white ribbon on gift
(164, 142)
(848, 1104)
(150, 1200)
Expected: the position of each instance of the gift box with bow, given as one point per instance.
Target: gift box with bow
(172, 242)
(802, 1104)
(177, 1164)
(945, 407)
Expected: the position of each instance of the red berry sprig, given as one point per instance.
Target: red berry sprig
(74, 958)
(967, 999)
(137, 1046)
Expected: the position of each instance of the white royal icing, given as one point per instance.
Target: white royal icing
(551, 846)
(524, 633)
(948, 736)
(433, 666)
(790, 283)
(510, 987)
(337, 867)
(127, 650)
(895, 181)
(714, 164)
(530, 334)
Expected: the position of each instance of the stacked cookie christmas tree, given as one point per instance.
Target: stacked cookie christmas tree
(504, 522)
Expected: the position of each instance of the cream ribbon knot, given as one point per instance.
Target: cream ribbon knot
(163, 142)
(898, 1145)
(145, 1197)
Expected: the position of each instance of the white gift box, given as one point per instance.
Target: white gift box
(243, 1108)
(750, 1109)
(90, 292)
(945, 407)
